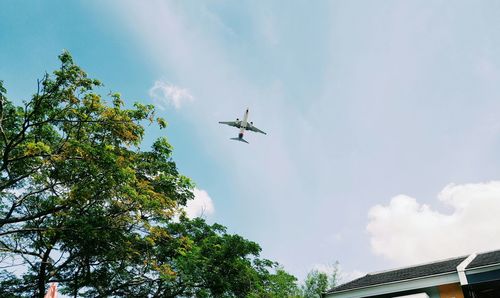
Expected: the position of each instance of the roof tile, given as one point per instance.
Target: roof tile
(401, 274)
(485, 259)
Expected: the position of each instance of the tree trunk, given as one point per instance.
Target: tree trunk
(42, 275)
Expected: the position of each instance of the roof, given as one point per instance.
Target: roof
(419, 271)
(401, 274)
(485, 259)
(433, 270)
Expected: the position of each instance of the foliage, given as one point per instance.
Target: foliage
(317, 283)
(82, 205)
(280, 284)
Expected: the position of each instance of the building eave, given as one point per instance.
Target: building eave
(484, 268)
(397, 286)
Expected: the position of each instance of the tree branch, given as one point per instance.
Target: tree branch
(34, 216)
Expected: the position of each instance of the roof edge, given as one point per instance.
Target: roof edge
(419, 264)
(394, 282)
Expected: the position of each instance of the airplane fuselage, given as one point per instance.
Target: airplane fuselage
(243, 125)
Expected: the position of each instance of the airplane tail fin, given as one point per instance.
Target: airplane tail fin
(240, 139)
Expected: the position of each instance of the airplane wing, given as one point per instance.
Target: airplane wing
(253, 128)
(231, 123)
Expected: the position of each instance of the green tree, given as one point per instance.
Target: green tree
(83, 205)
(282, 284)
(317, 282)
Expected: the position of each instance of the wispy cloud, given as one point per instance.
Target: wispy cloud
(406, 231)
(165, 94)
(201, 206)
(341, 275)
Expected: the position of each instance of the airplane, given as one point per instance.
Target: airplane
(242, 125)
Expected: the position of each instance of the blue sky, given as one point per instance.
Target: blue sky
(382, 116)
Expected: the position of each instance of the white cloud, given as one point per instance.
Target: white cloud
(407, 232)
(164, 94)
(201, 206)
